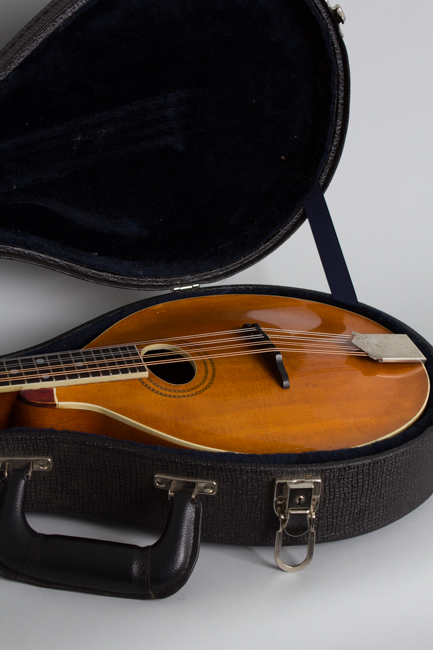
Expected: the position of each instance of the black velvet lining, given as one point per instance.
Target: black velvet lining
(81, 336)
(160, 138)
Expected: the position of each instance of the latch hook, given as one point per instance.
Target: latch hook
(295, 504)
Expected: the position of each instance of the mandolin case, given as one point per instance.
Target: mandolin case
(167, 145)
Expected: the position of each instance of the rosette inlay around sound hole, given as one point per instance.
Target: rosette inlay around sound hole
(176, 373)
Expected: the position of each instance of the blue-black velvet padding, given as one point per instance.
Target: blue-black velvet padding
(164, 138)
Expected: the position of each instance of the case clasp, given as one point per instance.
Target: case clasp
(295, 503)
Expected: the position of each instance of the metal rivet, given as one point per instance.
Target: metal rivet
(43, 464)
(209, 488)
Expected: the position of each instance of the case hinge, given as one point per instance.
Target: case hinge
(29, 465)
(295, 503)
(185, 288)
(195, 486)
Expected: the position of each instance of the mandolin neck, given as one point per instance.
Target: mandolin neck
(92, 365)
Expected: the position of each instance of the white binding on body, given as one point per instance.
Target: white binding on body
(83, 406)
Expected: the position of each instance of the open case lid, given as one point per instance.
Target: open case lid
(154, 143)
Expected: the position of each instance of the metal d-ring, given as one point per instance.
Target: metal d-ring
(295, 503)
(279, 542)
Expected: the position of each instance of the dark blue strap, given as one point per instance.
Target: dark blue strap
(329, 248)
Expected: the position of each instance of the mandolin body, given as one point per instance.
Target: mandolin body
(236, 403)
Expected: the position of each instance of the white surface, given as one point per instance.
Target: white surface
(374, 591)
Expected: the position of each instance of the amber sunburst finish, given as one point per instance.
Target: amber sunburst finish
(235, 403)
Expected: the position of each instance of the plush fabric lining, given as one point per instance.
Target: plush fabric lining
(163, 138)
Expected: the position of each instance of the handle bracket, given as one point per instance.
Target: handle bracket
(193, 486)
(28, 465)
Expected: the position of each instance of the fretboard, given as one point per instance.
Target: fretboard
(76, 367)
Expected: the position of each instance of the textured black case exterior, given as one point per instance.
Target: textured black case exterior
(108, 480)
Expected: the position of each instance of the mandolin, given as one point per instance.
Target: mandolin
(239, 373)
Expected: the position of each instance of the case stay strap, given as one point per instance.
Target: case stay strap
(329, 248)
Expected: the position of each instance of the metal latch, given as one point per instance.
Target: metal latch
(195, 486)
(295, 503)
(29, 465)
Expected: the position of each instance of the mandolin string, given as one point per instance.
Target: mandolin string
(243, 330)
(313, 337)
(91, 366)
(152, 359)
(313, 340)
(268, 346)
(254, 336)
(50, 375)
(339, 348)
(258, 338)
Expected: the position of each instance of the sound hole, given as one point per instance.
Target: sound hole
(171, 365)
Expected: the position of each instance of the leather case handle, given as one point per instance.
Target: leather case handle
(94, 566)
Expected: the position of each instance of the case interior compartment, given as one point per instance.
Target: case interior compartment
(168, 140)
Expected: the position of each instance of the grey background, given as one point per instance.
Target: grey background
(373, 591)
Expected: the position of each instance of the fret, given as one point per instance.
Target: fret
(89, 361)
(57, 366)
(95, 370)
(134, 358)
(79, 363)
(73, 367)
(102, 363)
(67, 363)
(4, 377)
(108, 354)
(14, 371)
(119, 354)
(120, 361)
(41, 368)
